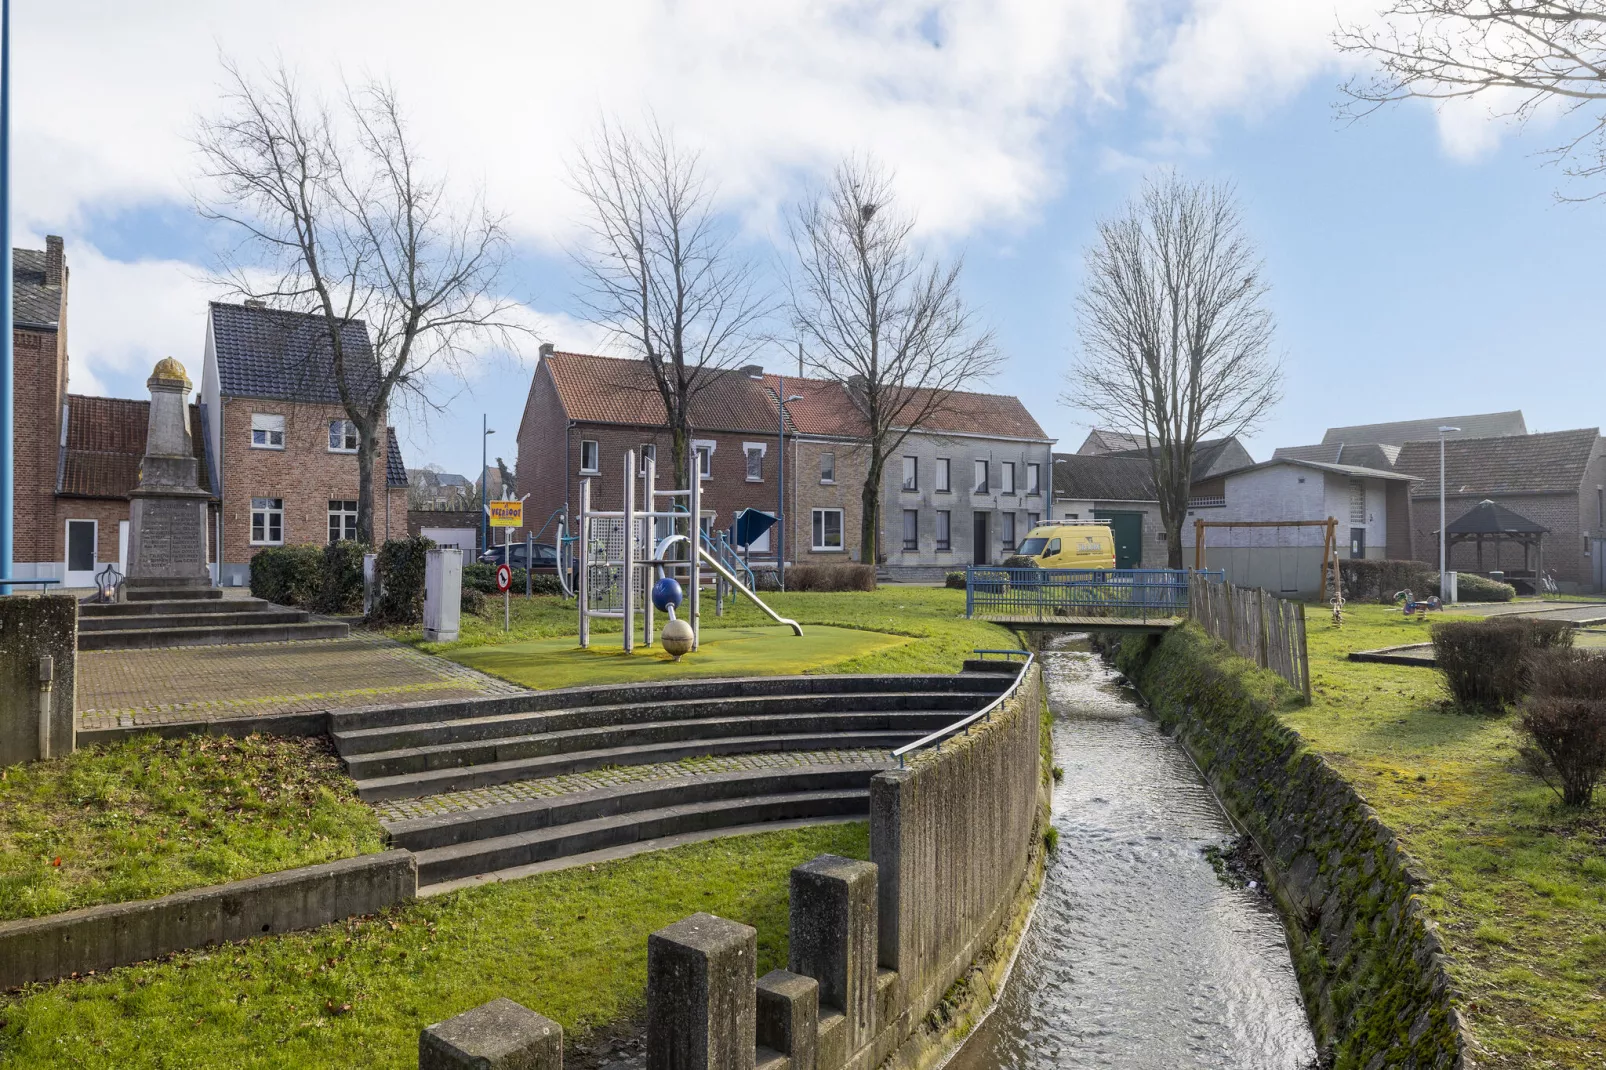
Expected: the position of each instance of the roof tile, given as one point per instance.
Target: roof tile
(1548, 463)
(270, 353)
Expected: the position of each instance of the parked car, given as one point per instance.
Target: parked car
(1069, 546)
(546, 556)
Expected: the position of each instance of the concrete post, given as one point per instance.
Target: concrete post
(499, 1035)
(834, 938)
(702, 982)
(789, 1017)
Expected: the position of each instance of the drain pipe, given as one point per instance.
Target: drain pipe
(47, 670)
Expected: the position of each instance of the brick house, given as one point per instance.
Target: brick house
(277, 433)
(1556, 478)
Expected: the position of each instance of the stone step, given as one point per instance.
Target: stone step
(175, 605)
(187, 619)
(511, 818)
(462, 778)
(164, 594)
(211, 635)
(358, 741)
(910, 724)
(441, 864)
(433, 710)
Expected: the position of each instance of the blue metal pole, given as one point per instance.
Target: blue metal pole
(485, 515)
(7, 284)
(780, 484)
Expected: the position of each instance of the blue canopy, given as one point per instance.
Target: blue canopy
(750, 526)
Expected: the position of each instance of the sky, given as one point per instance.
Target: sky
(1420, 261)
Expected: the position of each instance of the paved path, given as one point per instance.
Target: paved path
(1577, 612)
(569, 783)
(120, 688)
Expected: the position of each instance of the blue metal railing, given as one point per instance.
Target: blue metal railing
(726, 555)
(1140, 594)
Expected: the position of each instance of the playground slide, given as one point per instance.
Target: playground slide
(712, 562)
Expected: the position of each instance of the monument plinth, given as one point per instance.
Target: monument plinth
(167, 515)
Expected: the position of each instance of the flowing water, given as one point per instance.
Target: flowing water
(1139, 955)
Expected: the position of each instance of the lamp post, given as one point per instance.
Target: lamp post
(7, 500)
(485, 515)
(781, 401)
(1444, 582)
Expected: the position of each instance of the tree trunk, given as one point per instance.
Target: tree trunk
(680, 452)
(870, 515)
(367, 447)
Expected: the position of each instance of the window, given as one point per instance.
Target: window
(590, 456)
(942, 486)
(755, 461)
(267, 521)
(1159, 536)
(1006, 478)
(944, 529)
(705, 460)
(1034, 479)
(1032, 520)
(1053, 548)
(911, 529)
(827, 529)
(1357, 502)
(981, 477)
(267, 431)
(1007, 530)
(649, 452)
(342, 436)
(342, 519)
(827, 468)
(911, 473)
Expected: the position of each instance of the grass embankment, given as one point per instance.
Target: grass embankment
(571, 945)
(1519, 884)
(933, 618)
(151, 816)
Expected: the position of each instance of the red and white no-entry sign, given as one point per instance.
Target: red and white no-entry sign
(504, 578)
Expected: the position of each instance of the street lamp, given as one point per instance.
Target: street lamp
(1444, 580)
(485, 515)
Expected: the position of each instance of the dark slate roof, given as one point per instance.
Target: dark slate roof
(1491, 518)
(1103, 477)
(1353, 471)
(1549, 463)
(32, 302)
(268, 353)
(105, 442)
(1100, 441)
(1364, 454)
(395, 470)
(1485, 425)
(1211, 457)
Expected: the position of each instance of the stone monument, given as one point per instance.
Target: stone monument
(167, 516)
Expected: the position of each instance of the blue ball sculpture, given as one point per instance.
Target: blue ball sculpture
(666, 593)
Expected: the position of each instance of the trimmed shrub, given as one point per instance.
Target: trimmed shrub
(832, 578)
(1567, 748)
(288, 575)
(1485, 661)
(954, 581)
(767, 580)
(1564, 671)
(482, 579)
(340, 578)
(1019, 561)
(473, 601)
(401, 577)
(1380, 581)
(1471, 588)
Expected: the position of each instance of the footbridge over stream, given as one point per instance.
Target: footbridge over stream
(1119, 599)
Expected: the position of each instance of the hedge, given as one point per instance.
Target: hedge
(830, 578)
(340, 575)
(401, 578)
(1485, 662)
(1471, 587)
(288, 575)
(1380, 581)
(482, 578)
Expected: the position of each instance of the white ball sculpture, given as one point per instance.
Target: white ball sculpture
(677, 635)
(677, 638)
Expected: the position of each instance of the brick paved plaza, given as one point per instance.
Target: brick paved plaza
(166, 686)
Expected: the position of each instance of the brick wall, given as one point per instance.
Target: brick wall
(851, 463)
(40, 370)
(305, 475)
(107, 512)
(541, 467)
(1563, 547)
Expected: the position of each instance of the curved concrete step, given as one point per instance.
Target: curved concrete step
(455, 862)
(462, 778)
(175, 605)
(909, 723)
(362, 741)
(187, 619)
(211, 635)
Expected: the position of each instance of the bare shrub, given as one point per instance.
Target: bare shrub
(1567, 748)
(830, 578)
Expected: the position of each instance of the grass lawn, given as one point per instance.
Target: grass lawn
(571, 945)
(150, 816)
(548, 663)
(1519, 884)
(932, 617)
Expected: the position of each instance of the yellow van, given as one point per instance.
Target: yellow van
(1069, 546)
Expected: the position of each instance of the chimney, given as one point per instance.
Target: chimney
(546, 350)
(753, 371)
(255, 302)
(55, 260)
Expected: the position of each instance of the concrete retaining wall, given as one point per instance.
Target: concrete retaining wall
(1370, 961)
(98, 938)
(31, 628)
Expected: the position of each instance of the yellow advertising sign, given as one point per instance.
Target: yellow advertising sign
(506, 514)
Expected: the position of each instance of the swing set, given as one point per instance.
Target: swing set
(1329, 559)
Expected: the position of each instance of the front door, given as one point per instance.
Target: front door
(1357, 543)
(979, 537)
(1128, 531)
(80, 553)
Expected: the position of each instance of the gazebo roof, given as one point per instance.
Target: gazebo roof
(1491, 518)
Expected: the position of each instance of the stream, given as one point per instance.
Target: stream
(1139, 955)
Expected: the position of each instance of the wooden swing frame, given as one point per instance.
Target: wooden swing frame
(1329, 543)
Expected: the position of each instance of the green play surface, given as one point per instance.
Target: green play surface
(773, 651)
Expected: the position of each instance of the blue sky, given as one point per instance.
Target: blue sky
(1420, 266)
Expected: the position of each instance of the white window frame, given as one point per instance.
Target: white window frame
(748, 449)
(94, 550)
(270, 425)
(983, 478)
(345, 515)
(703, 450)
(647, 450)
(596, 457)
(911, 475)
(267, 512)
(1006, 477)
(346, 430)
(942, 483)
(828, 467)
(1034, 478)
(908, 516)
(818, 533)
(945, 529)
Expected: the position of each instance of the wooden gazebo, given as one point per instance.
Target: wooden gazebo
(1492, 522)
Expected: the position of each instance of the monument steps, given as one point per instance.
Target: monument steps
(186, 619)
(163, 594)
(212, 635)
(195, 616)
(138, 607)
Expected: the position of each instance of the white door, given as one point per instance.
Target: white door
(122, 547)
(81, 541)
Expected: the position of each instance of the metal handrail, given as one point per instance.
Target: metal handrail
(965, 722)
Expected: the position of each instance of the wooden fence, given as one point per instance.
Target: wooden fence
(1268, 630)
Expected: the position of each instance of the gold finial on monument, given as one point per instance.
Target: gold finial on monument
(168, 368)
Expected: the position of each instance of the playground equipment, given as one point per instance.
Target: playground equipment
(677, 637)
(620, 555)
(1412, 607)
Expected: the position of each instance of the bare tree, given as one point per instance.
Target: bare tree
(1175, 338)
(882, 317)
(661, 271)
(1520, 55)
(338, 216)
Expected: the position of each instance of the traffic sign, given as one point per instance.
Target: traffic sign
(506, 514)
(504, 577)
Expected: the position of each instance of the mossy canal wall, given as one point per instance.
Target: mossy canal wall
(1369, 960)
